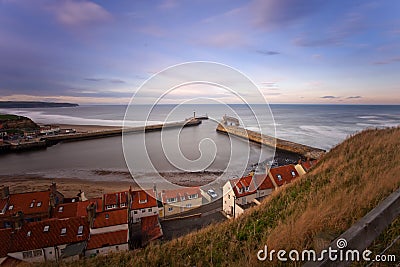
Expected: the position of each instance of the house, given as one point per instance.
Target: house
(264, 185)
(237, 195)
(151, 229)
(108, 231)
(283, 175)
(49, 240)
(28, 207)
(179, 200)
(107, 242)
(68, 210)
(49, 129)
(305, 166)
(142, 204)
(115, 200)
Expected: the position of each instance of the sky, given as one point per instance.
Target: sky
(295, 51)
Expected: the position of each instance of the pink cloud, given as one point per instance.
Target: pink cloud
(78, 13)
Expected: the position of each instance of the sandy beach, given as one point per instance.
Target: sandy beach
(69, 187)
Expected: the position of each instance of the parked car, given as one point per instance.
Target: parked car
(212, 193)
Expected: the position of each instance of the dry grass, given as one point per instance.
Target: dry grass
(309, 213)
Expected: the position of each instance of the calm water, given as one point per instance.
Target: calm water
(318, 125)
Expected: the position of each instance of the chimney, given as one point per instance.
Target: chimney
(18, 220)
(5, 192)
(91, 212)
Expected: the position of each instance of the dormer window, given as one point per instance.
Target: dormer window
(32, 204)
(63, 231)
(279, 177)
(39, 204)
(247, 189)
(10, 207)
(46, 228)
(61, 209)
(293, 174)
(29, 233)
(182, 198)
(80, 230)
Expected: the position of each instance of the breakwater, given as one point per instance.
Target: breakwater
(47, 141)
(231, 125)
(116, 132)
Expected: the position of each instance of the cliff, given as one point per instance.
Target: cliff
(14, 122)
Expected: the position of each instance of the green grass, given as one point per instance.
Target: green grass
(5, 117)
(346, 184)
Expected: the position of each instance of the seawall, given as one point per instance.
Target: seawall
(280, 144)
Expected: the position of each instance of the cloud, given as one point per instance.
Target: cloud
(227, 39)
(79, 13)
(388, 61)
(352, 24)
(273, 13)
(329, 97)
(104, 80)
(168, 4)
(268, 52)
(354, 97)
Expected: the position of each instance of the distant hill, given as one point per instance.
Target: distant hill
(34, 104)
(312, 211)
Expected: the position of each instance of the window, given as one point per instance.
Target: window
(123, 205)
(172, 199)
(247, 188)
(279, 177)
(32, 204)
(150, 210)
(116, 247)
(188, 205)
(143, 210)
(11, 207)
(63, 231)
(170, 209)
(37, 253)
(80, 230)
(29, 233)
(142, 201)
(46, 228)
(182, 198)
(39, 204)
(193, 196)
(229, 196)
(135, 212)
(293, 174)
(61, 209)
(107, 216)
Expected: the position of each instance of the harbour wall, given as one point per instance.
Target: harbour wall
(279, 144)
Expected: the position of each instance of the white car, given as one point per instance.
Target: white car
(212, 193)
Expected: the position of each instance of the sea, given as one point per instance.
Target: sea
(322, 126)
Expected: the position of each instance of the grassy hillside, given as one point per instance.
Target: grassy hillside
(309, 213)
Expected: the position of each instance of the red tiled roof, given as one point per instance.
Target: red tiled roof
(140, 195)
(307, 165)
(107, 239)
(285, 172)
(5, 238)
(29, 203)
(242, 183)
(263, 182)
(110, 218)
(67, 210)
(33, 235)
(116, 198)
(178, 193)
(151, 228)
